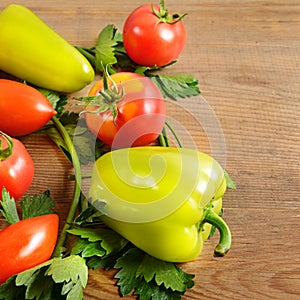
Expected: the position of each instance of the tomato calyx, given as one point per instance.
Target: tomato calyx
(164, 16)
(6, 152)
(107, 100)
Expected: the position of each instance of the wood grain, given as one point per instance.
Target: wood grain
(246, 55)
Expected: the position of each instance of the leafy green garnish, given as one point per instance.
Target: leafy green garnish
(58, 101)
(109, 240)
(36, 205)
(9, 208)
(177, 86)
(88, 147)
(9, 291)
(151, 277)
(104, 50)
(229, 181)
(58, 278)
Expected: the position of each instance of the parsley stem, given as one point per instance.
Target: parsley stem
(174, 134)
(73, 177)
(59, 248)
(161, 140)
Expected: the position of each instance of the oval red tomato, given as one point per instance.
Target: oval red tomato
(150, 40)
(23, 109)
(26, 244)
(141, 112)
(17, 169)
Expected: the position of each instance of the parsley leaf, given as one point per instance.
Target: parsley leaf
(68, 118)
(69, 269)
(229, 182)
(149, 277)
(104, 50)
(57, 100)
(58, 278)
(177, 86)
(87, 146)
(9, 291)
(9, 209)
(87, 249)
(109, 240)
(37, 205)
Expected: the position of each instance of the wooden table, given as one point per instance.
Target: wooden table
(246, 56)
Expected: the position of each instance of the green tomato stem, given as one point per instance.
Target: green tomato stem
(163, 10)
(6, 152)
(225, 235)
(164, 16)
(59, 248)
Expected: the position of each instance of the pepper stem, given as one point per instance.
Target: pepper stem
(225, 235)
(6, 152)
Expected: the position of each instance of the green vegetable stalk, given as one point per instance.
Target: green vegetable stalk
(32, 51)
(164, 200)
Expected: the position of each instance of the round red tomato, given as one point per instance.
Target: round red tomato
(23, 109)
(16, 167)
(141, 112)
(26, 244)
(151, 39)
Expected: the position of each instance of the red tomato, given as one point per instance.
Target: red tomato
(26, 244)
(141, 112)
(17, 169)
(151, 40)
(23, 109)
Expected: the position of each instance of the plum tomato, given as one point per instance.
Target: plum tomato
(26, 244)
(23, 109)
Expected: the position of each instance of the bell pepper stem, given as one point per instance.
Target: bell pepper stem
(225, 235)
(59, 248)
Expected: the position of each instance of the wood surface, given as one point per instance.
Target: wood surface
(246, 56)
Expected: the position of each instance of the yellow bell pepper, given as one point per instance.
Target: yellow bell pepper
(161, 199)
(32, 51)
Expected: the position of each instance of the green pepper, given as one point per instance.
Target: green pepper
(161, 199)
(32, 51)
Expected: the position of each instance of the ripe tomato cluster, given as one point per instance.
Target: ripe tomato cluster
(23, 110)
(26, 243)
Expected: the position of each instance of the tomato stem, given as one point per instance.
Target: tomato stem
(164, 16)
(163, 11)
(59, 248)
(6, 152)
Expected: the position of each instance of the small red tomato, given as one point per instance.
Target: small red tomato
(153, 37)
(16, 167)
(141, 112)
(26, 244)
(23, 109)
